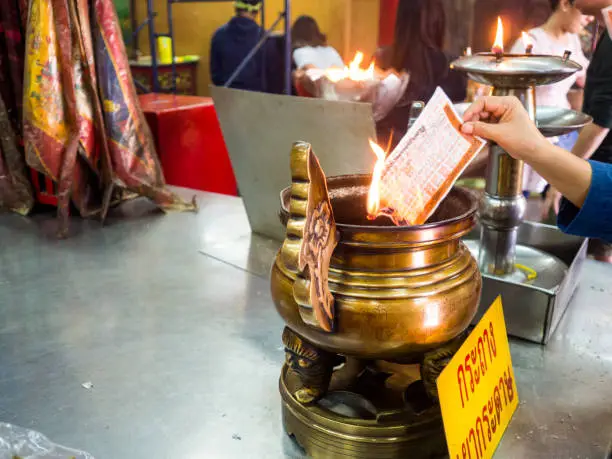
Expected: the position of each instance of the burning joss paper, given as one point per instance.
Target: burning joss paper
(357, 83)
(422, 169)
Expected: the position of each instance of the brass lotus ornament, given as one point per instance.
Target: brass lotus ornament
(311, 219)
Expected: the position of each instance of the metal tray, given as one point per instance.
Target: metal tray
(532, 312)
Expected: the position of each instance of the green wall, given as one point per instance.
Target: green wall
(123, 11)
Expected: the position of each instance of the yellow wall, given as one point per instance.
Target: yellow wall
(194, 24)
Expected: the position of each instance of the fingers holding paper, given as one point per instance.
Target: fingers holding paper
(504, 121)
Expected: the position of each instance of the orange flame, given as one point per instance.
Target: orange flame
(527, 42)
(374, 193)
(353, 71)
(498, 46)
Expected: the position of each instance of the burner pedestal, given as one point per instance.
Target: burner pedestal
(374, 313)
(364, 409)
(400, 422)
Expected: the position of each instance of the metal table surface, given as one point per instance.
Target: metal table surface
(170, 318)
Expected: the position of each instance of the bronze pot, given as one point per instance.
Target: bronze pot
(398, 291)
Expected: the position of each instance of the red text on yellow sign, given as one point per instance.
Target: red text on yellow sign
(478, 394)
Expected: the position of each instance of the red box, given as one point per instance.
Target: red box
(189, 142)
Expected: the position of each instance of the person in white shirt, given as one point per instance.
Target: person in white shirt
(557, 35)
(310, 46)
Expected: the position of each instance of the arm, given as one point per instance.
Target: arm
(587, 143)
(592, 218)
(303, 83)
(582, 60)
(587, 186)
(216, 72)
(589, 140)
(598, 104)
(554, 164)
(557, 165)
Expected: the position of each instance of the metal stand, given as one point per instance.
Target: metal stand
(534, 267)
(153, 35)
(503, 207)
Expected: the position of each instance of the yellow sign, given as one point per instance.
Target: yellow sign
(478, 394)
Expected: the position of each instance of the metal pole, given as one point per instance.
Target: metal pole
(252, 53)
(503, 206)
(348, 27)
(136, 31)
(263, 55)
(134, 27)
(152, 46)
(171, 35)
(288, 47)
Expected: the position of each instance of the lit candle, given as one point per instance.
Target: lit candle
(498, 46)
(527, 43)
(567, 54)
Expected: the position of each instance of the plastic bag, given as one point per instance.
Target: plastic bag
(19, 443)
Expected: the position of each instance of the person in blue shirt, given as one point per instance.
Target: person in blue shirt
(586, 186)
(232, 42)
(595, 139)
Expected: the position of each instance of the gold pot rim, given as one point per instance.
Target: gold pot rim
(459, 223)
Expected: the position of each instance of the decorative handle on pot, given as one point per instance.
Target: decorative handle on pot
(311, 238)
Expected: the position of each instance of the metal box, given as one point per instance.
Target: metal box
(533, 313)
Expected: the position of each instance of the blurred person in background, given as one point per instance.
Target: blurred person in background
(420, 30)
(595, 139)
(232, 42)
(558, 34)
(310, 48)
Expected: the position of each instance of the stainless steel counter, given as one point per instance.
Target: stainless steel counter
(170, 318)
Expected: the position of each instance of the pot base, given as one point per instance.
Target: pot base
(374, 411)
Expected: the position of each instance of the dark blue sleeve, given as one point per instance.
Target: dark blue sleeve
(216, 69)
(594, 219)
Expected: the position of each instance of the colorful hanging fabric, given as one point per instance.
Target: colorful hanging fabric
(83, 126)
(133, 158)
(49, 122)
(15, 191)
(11, 60)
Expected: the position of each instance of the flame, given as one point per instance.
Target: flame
(355, 65)
(498, 46)
(374, 193)
(526, 39)
(353, 71)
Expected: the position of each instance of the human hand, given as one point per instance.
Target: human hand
(506, 123)
(552, 201)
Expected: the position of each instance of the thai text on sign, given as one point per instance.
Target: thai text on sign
(478, 394)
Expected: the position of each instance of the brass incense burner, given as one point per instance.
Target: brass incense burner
(373, 312)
